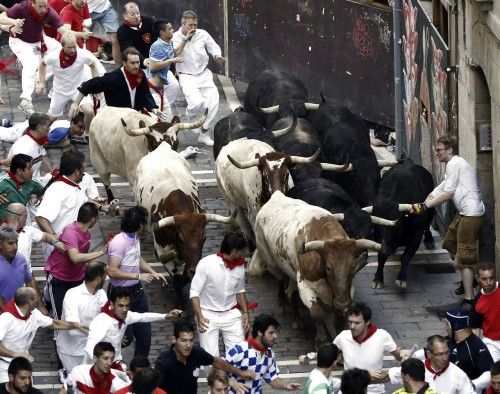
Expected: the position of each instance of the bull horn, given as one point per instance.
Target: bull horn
(382, 221)
(337, 167)
(387, 163)
(180, 126)
(213, 217)
(367, 244)
(135, 132)
(286, 130)
(312, 245)
(305, 160)
(243, 165)
(311, 106)
(169, 256)
(368, 209)
(270, 110)
(404, 207)
(168, 221)
(338, 216)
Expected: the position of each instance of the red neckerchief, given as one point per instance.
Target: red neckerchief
(36, 16)
(110, 312)
(138, 26)
(39, 140)
(371, 330)
(101, 385)
(231, 264)
(489, 390)
(431, 370)
(13, 177)
(134, 80)
(64, 60)
(11, 308)
(63, 179)
(257, 346)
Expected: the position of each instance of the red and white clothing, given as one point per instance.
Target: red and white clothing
(217, 286)
(77, 19)
(105, 328)
(451, 380)
(85, 380)
(60, 205)
(486, 315)
(67, 79)
(81, 306)
(28, 146)
(195, 78)
(369, 354)
(17, 333)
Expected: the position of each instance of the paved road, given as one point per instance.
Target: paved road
(409, 316)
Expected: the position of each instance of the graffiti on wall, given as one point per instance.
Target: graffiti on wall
(368, 30)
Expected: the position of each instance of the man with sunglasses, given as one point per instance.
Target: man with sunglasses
(460, 185)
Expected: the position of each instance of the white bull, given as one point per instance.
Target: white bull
(306, 246)
(120, 137)
(248, 172)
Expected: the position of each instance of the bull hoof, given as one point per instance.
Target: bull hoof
(377, 285)
(401, 284)
(429, 244)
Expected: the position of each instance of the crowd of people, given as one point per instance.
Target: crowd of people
(58, 206)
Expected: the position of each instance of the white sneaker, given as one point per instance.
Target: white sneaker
(204, 138)
(27, 107)
(63, 375)
(189, 152)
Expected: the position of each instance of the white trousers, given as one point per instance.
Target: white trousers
(69, 362)
(30, 57)
(170, 93)
(201, 93)
(229, 324)
(12, 134)
(493, 347)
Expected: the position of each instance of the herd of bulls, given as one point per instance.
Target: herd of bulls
(300, 179)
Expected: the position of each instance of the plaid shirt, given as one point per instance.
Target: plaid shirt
(245, 357)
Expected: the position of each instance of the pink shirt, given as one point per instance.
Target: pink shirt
(32, 30)
(126, 247)
(59, 265)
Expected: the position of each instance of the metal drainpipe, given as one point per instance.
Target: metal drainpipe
(398, 97)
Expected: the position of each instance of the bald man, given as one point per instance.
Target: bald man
(18, 325)
(15, 218)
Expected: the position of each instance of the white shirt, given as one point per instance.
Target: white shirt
(460, 179)
(60, 205)
(104, 328)
(88, 186)
(452, 381)
(194, 55)
(131, 91)
(17, 335)
(27, 236)
(81, 306)
(27, 145)
(318, 378)
(216, 285)
(67, 80)
(367, 355)
(98, 5)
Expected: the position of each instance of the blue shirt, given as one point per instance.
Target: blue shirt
(160, 51)
(13, 276)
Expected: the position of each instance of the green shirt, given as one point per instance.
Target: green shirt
(21, 195)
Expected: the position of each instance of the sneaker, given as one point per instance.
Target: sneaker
(204, 138)
(190, 151)
(26, 107)
(6, 122)
(460, 289)
(63, 375)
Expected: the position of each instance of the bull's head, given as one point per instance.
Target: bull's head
(274, 167)
(341, 259)
(163, 131)
(188, 230)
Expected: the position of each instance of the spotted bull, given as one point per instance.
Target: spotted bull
(120, 137)
(306, 247)
(165, 186)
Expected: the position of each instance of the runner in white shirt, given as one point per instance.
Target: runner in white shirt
(82, 303)
(460, 185)
(19, 323)
(15, 218)
(110, 324)
(443, 376)
(195, 78)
